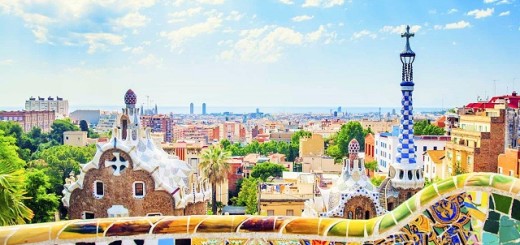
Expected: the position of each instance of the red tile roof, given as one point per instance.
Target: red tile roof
(511, 99)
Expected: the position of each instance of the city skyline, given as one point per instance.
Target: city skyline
(270, 53)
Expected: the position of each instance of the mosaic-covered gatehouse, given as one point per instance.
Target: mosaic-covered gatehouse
(475, 208)
(130, 176)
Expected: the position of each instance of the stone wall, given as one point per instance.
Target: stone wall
(118, 190)
(359, 207)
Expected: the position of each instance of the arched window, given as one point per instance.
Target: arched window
(99, 189)
(367, 214)
(139, 189)
(359, 213)
(349, 215)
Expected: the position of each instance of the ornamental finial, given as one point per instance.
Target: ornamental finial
(407, 52)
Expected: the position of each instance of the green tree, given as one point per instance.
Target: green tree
(61, 160)
(424, 127)
(14, 130)
(334, 152)
(376, 181)
(372, 165)
(266, 170)
(43, 203)
(458, 169)
(214, 166)
(59, 127)
(368, 131)
(12, 189)
(83, 125)
(225, 143)
(295, 138)
(248, 195)
(349, 131)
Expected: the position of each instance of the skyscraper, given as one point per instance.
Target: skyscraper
(192, 108)
(203, 108)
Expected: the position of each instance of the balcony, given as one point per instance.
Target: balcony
(285, 196)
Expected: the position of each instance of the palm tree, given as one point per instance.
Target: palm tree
(214, 166)
(12, 184)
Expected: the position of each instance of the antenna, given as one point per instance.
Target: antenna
(495, 87)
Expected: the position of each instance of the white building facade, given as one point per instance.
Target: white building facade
(58, 105)
(386, 147)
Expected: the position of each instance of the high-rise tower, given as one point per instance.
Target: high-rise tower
(406, 173)
(203, 108)
(192, 108)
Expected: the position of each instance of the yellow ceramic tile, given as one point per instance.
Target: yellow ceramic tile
(306, 226)
(30, 234)
(172, 225)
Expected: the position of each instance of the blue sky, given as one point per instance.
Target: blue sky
(256, 52)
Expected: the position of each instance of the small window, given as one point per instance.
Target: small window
(435, 148)
(139, 191)
(289, 212)
(424, 148)
(87, 215)
(270, 212)
(154, 214)
(99, 189)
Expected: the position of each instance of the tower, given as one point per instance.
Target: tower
(405, 174)
(203, 108)
(191, 108)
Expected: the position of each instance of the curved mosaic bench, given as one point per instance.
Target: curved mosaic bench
(469, 209)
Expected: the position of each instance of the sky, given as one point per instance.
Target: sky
(256, 52)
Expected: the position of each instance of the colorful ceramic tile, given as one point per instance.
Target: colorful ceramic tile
(502, 203)
(171, 225)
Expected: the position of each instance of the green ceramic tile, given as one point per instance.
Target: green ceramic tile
(491, 203)
(492, 226)
(401, 212)
(445, 187)
(386, 222)
(508, 232)
(489, 238)
(411, 203)
(515, 211)
(427, 194)
(493, 216)
(502, 203)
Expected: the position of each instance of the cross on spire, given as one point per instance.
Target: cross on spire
(407, 34)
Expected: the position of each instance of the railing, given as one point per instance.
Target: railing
(471, 208)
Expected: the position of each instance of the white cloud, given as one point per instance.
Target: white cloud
(41, 34)
(99, 41)
(301, 18)
(452, 11)
(506, 13)
(53, 24)
(179, 36)
(6, 62)
(452, 26)
(210, 2)
(181, 16)
(132, 20)
(504, 2)
(399, 29)
(322, 3)
(288, 2)
(267, 44)
(151, 60)
(497, 2)
(481, 13)
(234, 16)
(362, 34)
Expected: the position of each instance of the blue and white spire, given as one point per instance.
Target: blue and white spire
(406, 173)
